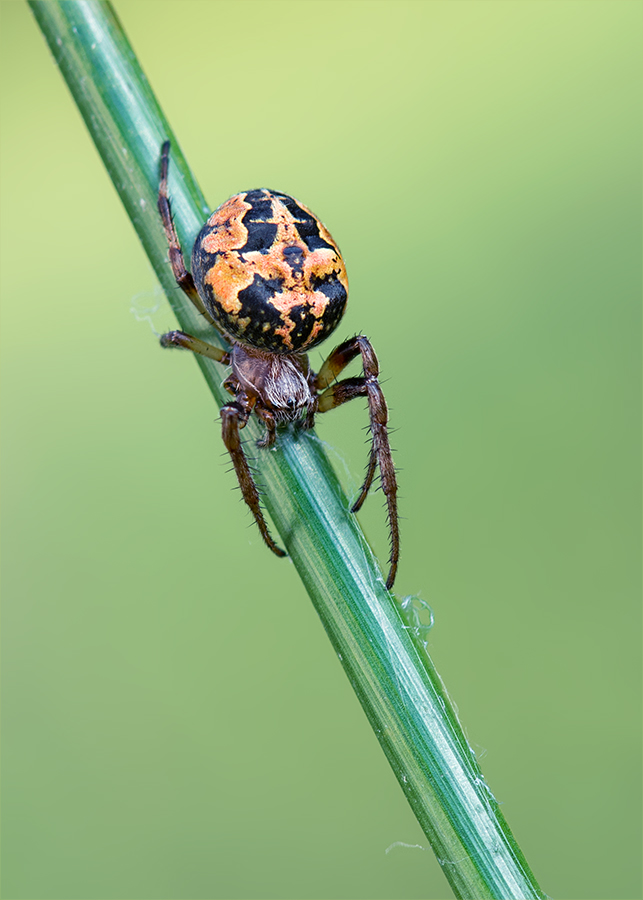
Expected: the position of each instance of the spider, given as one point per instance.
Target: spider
(269, 277)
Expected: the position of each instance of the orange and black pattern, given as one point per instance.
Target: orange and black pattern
(269, 272)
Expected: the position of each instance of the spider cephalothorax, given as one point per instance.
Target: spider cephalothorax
(267, 274)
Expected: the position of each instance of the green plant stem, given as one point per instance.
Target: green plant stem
(382, 655)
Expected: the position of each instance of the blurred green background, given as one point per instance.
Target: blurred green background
(176, 724)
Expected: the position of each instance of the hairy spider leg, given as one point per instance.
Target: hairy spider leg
(268, 419)
(334, 364)
(380, 454)
(233, 417)
(187, 342)
(182, 276)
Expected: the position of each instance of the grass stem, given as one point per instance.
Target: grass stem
(381, 652)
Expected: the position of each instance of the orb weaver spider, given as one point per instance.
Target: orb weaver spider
(268, 276)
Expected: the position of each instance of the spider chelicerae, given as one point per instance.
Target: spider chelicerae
(269, 277)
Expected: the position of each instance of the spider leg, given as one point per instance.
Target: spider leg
(233, 417)
(268, 419)
(380, 455)
(341, 392)
(187, 342)
(336, 363)
(182, 276)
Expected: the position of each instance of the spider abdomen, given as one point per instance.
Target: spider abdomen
(269, 272)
